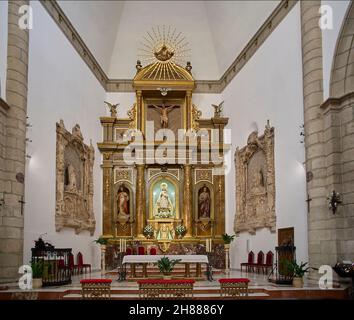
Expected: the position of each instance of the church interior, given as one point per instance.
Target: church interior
(176, 149)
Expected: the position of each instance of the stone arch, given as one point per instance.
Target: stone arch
(342, 73)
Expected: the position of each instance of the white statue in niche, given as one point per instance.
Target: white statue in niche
(163, 206)
(71, 186)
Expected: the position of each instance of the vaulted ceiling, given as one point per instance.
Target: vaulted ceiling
(216, 31)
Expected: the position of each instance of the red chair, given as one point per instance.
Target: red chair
(269, 261)
(81, 266)
(260, 261)
(153, 251)
(249, 263)
(72, 266)
(141, 250)
(128, 251)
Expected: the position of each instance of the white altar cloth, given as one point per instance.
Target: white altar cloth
(187, 258)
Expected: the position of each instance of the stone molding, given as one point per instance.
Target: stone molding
(202, 86)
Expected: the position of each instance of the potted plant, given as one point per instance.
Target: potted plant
(166, 266)
(181, 231)
(298, 271)
(102, 241)
(227, 240)
(37, 274)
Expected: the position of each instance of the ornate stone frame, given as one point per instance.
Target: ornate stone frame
(80, 216)
(244, 221)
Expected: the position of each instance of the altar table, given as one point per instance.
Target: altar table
(198, 259)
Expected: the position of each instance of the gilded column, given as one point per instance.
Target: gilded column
(139, 102)
(187, 200)
(108, 225)
(189, 109)
(140, 218)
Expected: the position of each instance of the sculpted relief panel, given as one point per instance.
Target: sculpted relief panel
(74, 181)
(255, 183)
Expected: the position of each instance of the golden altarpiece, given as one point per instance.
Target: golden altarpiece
(166, 185)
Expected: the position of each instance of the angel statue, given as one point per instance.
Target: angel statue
(112, 108)
(218, 109)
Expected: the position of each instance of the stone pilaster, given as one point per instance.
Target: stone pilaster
(311, 37)
(12, 219)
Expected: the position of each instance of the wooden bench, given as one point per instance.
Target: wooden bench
(234, 287)
(165, 289)
(96, 289)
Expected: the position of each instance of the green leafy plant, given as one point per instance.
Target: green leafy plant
(166, 265)
(37, 269)
(101, 241)
(297, 270)
(228, 238)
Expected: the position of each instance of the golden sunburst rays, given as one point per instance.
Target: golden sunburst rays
(161, 49)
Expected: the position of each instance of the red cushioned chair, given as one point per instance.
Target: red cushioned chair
(141, 250)
(81, 266)
(153, 251)
(260, 261)
(72, 266)
(269, 261)
(128, 251)
(249, 263)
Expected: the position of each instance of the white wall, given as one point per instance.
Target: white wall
(188, 17)
(329, 40)
(3, 47)
(60, 87)
(270, 87)
(233, 24)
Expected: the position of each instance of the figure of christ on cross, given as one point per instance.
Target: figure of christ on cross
(164, 111)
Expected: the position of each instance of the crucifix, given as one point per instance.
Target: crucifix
(22, 203)
(308, 200)
(164, 111)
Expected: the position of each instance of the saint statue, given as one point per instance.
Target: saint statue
(163, 204)
(123, 202)
(71, 186)
(204, 203)
(164, 111)
(165, 232)
(258, 184)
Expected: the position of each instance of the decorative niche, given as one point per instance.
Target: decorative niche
(74, 181)
(255, 183)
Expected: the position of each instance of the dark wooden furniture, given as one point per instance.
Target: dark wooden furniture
(96, 289)
(166, 289)
(56, 269)
(269, 262)
(260, 262)
(249, 263)
(81, 266)
(234, 287)
(280, 273)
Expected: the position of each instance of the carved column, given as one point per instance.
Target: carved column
(140, 217)
(189, 109)
(187, 200)
(108, 225)
(139, 102)
(219, 209)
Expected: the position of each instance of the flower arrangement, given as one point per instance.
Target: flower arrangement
(181, 231)
(148, 231)
(101, 241)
